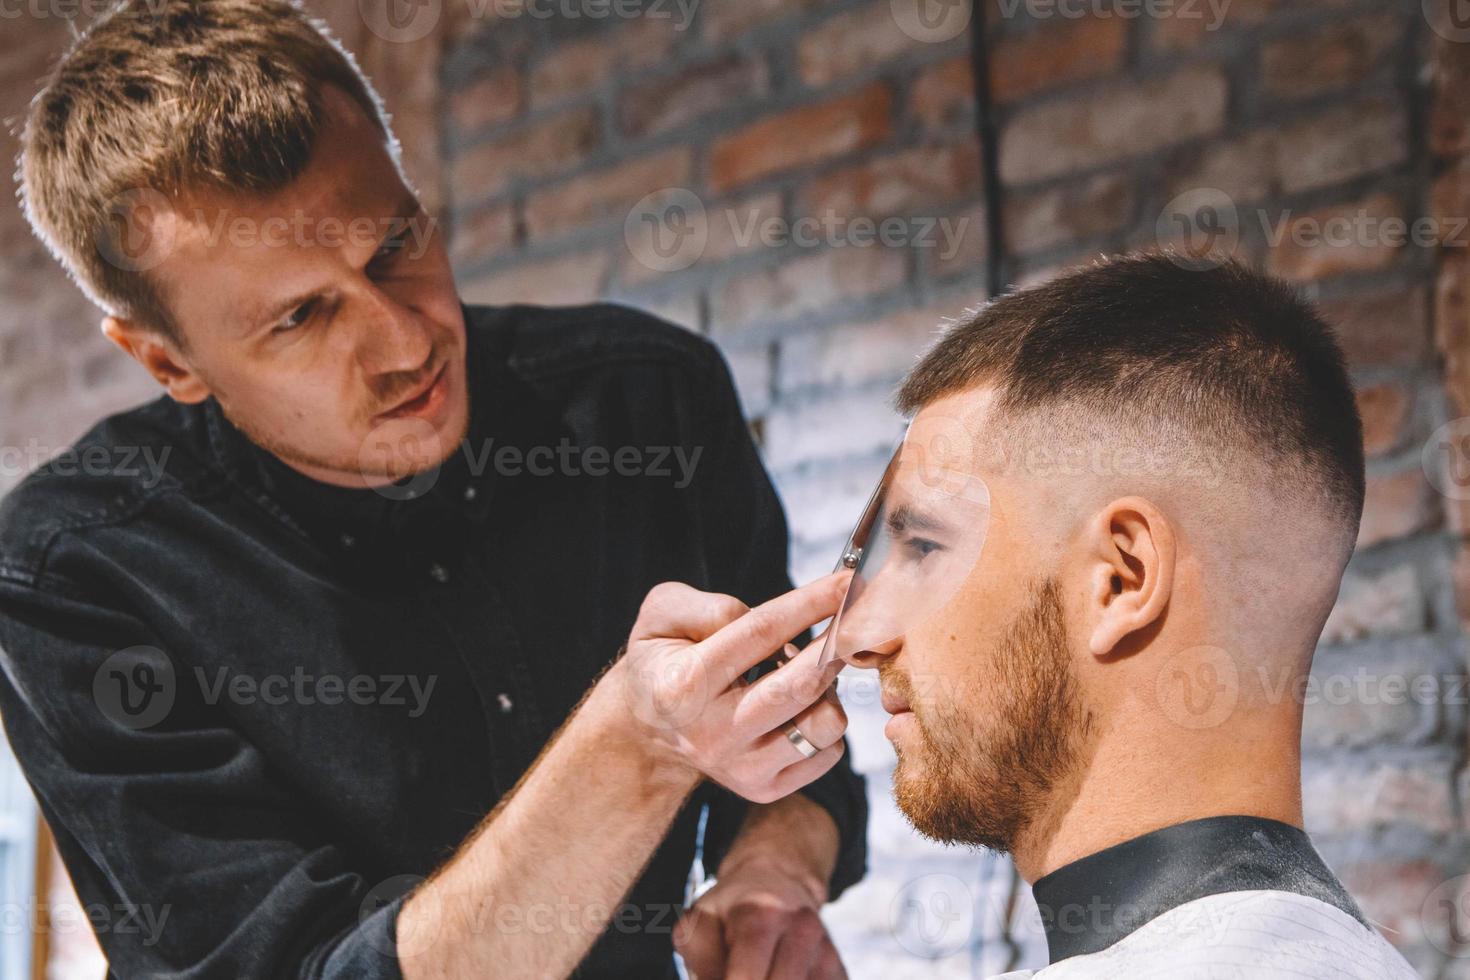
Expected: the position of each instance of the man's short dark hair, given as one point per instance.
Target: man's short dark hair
(1234, 357)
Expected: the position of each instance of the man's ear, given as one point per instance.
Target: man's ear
(159, 357)
(1131, 571)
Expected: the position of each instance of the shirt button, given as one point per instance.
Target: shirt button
(506, 704)
(439, 573)
(469, 493)
(348, 541)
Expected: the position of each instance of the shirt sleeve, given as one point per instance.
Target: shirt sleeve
(747, 528)
(171, 824)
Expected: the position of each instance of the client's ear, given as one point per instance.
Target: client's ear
(1131, 571)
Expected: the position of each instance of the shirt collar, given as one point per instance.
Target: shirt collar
(1090, 904)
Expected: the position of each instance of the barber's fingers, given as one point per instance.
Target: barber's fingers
(822, 724)
(674, 610)
(801, 945)
(782, 694)
(768, 627)
(775, 756)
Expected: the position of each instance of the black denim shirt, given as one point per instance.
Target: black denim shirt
(217, 671)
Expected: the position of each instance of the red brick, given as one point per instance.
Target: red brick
(647, 41)
(850, 42)
(1391, 603)
(1298, 67)
(1392, 895)
(1069, 213)
(1061, 53)
(1452, 326)
(726, 21)
(667, 102)
(807, 284)
(1397, 506)
(483, 233)
(571, 69)
(1462, 585)
(494, 99)
(1243, 168)
(545, 148)
(603, 194)
(943, 95)
(896, 183)
(855, 354)
(1111, 124)
(1364, 795)
(966, 260)
(1341, 144)
(1449, 134)
(1383, 408)
(566, 279)
(1348, 238)
(1178, 33)
(802, 136)
(1381, 328)
(734, 228)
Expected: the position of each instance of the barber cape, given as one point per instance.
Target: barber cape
(1242, 898)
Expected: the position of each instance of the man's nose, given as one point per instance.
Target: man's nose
(393, 338)
(871, 657)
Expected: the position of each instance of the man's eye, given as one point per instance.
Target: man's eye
(393, 244)
(922, 547)
(296, 318)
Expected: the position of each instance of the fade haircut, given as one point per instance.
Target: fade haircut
(169, 98)
(1232, 358)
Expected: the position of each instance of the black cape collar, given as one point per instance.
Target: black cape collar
(1090, 904)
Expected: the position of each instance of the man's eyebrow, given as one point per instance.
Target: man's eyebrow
(407, 208)
(906, 518)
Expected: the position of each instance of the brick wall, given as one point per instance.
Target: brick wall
(731, 167)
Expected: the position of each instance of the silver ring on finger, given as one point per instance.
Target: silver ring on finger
(796, 738)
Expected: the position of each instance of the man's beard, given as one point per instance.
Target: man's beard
(983, 781)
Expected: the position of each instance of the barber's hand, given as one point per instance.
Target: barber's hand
(681, 678)
(759, 921)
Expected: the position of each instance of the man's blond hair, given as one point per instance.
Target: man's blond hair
(158, 99)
